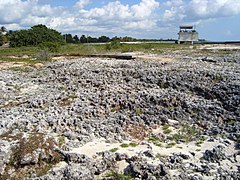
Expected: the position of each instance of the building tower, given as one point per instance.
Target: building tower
(187, 34)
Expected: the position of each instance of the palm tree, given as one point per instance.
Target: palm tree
(3, 37)
(3, 29)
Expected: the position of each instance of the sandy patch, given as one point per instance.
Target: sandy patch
(154, 57)
(220, 46)
(59, 58)
(59, 165)
(29, 89)
(7, 65)
(98, 145)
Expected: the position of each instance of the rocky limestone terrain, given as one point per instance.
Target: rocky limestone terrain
(96, 118)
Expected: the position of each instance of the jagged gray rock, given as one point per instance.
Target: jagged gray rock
(99, 98)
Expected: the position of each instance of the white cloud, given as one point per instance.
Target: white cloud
(201, 9)
(18, 11)
(114, 17)
(82, 3)
(173, 3)
(116, 10)
(175, 14)
(113, 10)
(12, 10)
(145, 8)
(115, 14)
(144, 24)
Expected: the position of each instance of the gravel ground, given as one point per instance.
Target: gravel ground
(158, 119)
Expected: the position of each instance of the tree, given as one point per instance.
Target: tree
(127, 39)
(92, 39)
(3, 37)
(68, 38)
(116, 39)
(103, 39)
(36, 35)
(76, 39)
(83, 39)
(3, 29)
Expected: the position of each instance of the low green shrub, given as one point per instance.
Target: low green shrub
(124, 145)
(113, 45)
(113, 150)
(50, 46)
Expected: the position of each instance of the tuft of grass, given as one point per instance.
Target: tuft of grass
(43, 170)
(117, 176)
(132, 144)
(158, 144)
(198, 143)
(158, 155)
(165, 126)
(68, 100)
(163, 85)
(170, 145)
(113, 110)
(113, 150)
(44, 55)
(170, 108)
(190, 132)
(178, 137)
(154, 138)
(138, 111)
(26, 146)
(61, 140)
(167, 131)
(217, 78)
(238, 140)
(231, 121)
(124, 145)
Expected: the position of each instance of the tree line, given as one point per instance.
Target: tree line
(39, 34)
(102, 39)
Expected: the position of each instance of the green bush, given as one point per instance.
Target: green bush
(50, 46)
(113, 45)
(35, 36)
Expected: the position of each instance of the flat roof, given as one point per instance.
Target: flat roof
(186, 27)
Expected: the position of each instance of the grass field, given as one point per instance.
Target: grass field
(27, 54)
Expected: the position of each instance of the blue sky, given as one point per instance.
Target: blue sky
(215, 20)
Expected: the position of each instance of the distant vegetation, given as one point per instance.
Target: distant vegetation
(39, 34)
(40, 43)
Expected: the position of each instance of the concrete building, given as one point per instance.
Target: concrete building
(187, 34)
